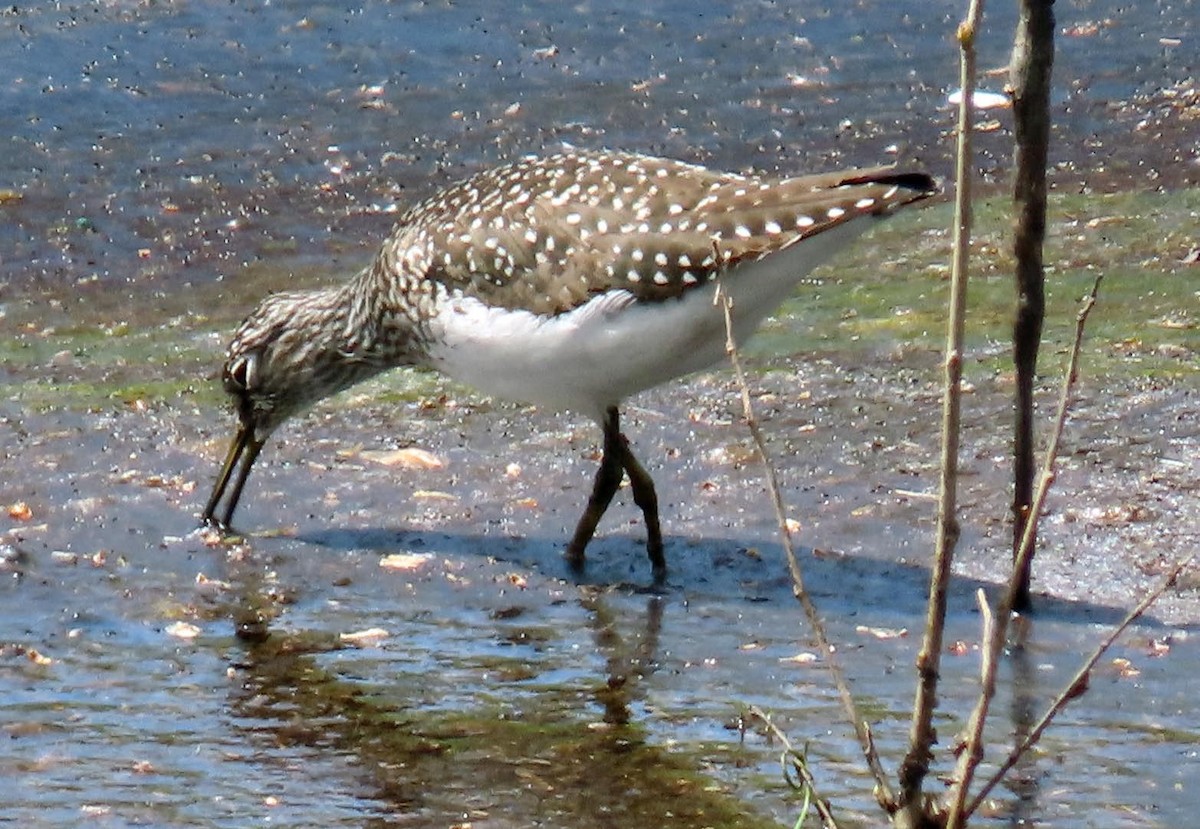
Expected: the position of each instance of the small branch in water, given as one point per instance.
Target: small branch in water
(969, 758)
(797, 761)
(1030, 68)
(882, 792)
(1078, 685)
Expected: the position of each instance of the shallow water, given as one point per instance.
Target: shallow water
(157, 148)
(499, 687)
(158, 145)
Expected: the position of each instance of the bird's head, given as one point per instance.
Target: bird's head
(283, 358)
(293, 350)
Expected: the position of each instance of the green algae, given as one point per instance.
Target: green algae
(884, 299)
(888, 295)
(547, 759)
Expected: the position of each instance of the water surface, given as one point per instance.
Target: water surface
(167, 163)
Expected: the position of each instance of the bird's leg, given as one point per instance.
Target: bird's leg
(645, 497)
(617, 460)
(608, 479)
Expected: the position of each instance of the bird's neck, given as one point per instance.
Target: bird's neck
(344, 335)
(376, 327)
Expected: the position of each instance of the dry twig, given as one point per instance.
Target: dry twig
(882, 791)
(973, 752)
(921, 736)
(1077, 686)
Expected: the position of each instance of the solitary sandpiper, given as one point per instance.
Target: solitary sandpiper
(570, 281)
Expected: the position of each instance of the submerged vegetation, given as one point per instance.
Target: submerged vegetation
(83, 351)
(1147, 325)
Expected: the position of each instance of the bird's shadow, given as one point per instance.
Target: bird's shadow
(723, 569)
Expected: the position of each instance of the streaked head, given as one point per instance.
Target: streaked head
(292, 351)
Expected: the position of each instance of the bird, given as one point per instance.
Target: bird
(570, 281)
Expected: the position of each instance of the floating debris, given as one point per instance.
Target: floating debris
(882, 633)
(404, 561)
(408, 458)
(37, 657)
(20, 511)
(182, 630)
(369, 638)
(982, 99)
(804, 658)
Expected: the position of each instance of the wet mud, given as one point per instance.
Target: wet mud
(389, 643)
(404, 645)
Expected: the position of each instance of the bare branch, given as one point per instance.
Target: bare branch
(1078, 684)
(969, 758)
(1032, 61)
(1028, 540)
(921, 736)
(882, 791)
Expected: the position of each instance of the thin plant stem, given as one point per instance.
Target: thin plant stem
(973, 752)
(797, 761)
(916, 763)
(1078, 684)
(883, 792)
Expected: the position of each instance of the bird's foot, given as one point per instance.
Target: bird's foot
(575, 558)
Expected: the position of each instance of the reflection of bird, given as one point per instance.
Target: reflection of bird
(571, 281)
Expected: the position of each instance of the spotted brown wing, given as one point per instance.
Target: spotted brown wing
(549, 234)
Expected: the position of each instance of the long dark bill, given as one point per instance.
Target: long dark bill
(244, 448)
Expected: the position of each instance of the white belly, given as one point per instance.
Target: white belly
(615, 346)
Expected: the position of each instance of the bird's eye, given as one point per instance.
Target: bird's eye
(240, 373)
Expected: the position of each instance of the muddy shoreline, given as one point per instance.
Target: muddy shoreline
(423, 656)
